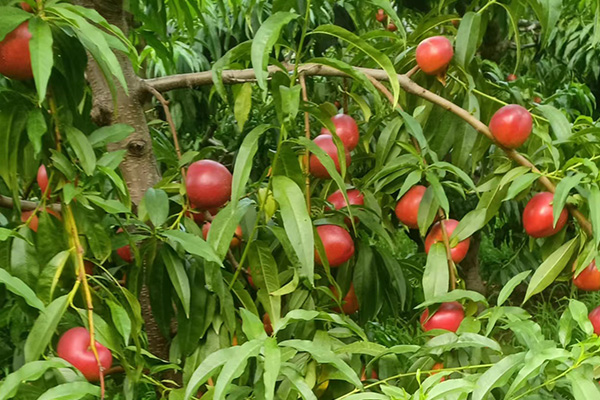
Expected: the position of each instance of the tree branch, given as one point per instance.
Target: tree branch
(247, 75)
(26, 205)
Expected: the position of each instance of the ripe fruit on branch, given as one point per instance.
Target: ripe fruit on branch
(434, 55)
(125, 251)
(267, 324)
(407, 208)
(325, 142)
(511, 78)
(74, 347)
(511, 125)
(208, 184)
(435, 235)
(250, 280)
(349, 302)
(437, 367)
(392, 27)
(337, 243)
(355, 198)
(89, 267)
(537, 99)
(34, 223)
(363, 374)
(594, 317)
(237, 236)
(337, 104)
(538, 219)
(448, 317)
(26, 7)
(380, 16)
(15, 58)
(588, 279)
(42, 179)
(346, 129)
(199, 216)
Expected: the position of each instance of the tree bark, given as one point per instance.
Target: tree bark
(139, 167)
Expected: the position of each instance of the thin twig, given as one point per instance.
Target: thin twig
(71, 227)
(413, 71)
(307, 134)
(165, 104)
(54, 112)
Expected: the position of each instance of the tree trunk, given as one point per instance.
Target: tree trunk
(139, 167)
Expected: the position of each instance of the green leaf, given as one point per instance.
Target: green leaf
(243, 103)
(178, 277)
(223, 62)
(414, 128)
(297, 222)
(363, 347)
(559, 123)
(579, 312)
(472, 222)
(208, 367)
(297, 381)
(83, 149)
(594, 205)
(510, 286)
(458, 294)
(110, 134)
(42, 57)
(243, 162)
(531, 366)
(584, 387)
(562, 192)
(494, 376)
(449, 388)
(325, 356)
(10, 18)
(436, 274)
(71, 391)
(290, 101)
(438, 192)
(548, 13)
(551, 268)
(428, 210)
(29, 372)
(43, 328)
(264, 268)
(18, 287)
(223, 227)
(467, 38)
(386, 141)
(193, 245)
(121, 319)
(520, 184)
(377, 56)
(36, 128)
(157, 206)
(110, 206)
(272, 365)
(263, 42)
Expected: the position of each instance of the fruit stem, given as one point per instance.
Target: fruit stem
(307, 134)
(71, 227)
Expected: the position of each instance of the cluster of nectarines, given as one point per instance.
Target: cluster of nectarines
(382, 17)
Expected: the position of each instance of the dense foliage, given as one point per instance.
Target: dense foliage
(228, 264)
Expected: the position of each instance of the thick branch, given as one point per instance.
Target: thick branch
(26, 205)
(248, 75)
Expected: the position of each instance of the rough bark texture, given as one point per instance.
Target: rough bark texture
(139, 167)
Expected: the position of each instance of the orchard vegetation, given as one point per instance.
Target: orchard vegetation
(341, 199)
